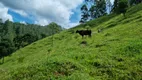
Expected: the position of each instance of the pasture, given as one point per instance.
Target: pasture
(115, 53)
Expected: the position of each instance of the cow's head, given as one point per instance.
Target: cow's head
(77, 31)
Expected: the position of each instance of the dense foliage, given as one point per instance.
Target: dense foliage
(92, 9)
(13, 36)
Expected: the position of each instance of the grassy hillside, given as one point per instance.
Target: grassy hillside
(113, 54)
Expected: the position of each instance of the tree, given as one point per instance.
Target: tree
(6, 48)
(43, 35)
(15, 35)
(3, 52)
(133, 2)
(29, 38)
(101, 7)
(21, 41)
(93, 12)
(93, 9)
(120, 6)
(17, 41)
(115, 6)
(85, 14)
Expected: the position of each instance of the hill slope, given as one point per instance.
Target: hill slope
(115, 53)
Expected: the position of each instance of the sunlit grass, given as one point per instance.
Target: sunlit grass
(113, 54)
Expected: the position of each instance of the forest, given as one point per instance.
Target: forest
(93, 9)
(14, 36)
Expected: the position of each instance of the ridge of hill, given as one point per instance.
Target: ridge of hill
(113, 54)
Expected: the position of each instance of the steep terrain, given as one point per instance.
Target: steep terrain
(113, 54)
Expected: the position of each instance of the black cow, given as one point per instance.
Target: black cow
(84, 32)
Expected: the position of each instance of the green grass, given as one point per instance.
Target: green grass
(113, 54)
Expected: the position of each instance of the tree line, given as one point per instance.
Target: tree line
(92, 9)
(14, 36)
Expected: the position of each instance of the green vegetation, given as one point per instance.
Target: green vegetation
(113, 54)
(92, 9)
(14, 36)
